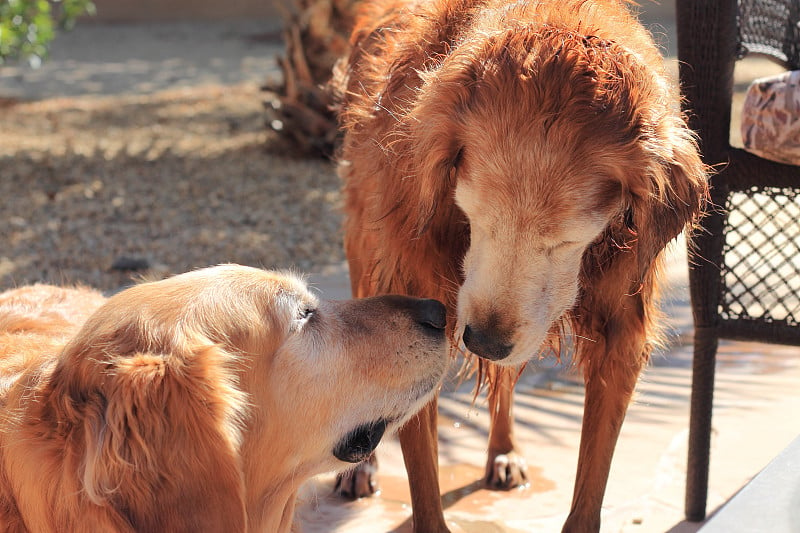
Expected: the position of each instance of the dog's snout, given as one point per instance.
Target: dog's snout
(486, 344)
(431, 313)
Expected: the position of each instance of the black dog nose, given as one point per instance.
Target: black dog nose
(431, 313)
(489, 346)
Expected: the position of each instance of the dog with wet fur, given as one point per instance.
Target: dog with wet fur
(526, 162)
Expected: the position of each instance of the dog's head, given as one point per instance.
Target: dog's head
(187, 400)
(553, 143)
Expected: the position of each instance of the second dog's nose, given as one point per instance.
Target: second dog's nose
(488, 345)
(426, 312)
(431, 313)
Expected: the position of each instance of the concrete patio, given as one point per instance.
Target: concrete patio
(757, 401)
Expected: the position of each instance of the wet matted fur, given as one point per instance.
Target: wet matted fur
(200, 402)
(525, 162)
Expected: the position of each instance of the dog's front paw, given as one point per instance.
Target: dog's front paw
(506, 471)
(360, 481)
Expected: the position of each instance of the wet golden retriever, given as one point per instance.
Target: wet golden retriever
(197, 403)
(526, 162)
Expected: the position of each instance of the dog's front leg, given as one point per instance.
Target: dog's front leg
(419, 441)
(361, 481)
(505, 468)
(611, 369)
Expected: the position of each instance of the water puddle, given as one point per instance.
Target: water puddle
(469, 507)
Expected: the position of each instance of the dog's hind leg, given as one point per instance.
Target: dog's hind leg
(505, 468)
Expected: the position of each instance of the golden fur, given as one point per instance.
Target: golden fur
(526, 162)
(197, 403)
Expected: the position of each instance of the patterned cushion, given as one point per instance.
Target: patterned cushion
(771, 118)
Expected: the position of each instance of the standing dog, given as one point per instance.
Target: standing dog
(198, 403)
(526, 162)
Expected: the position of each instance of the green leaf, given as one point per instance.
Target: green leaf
(28, 27)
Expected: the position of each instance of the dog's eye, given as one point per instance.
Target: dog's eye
(562, 246)
(305, 313)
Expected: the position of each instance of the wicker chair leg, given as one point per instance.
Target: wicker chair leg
(705, 351)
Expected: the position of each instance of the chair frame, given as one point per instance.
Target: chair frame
(708, 48)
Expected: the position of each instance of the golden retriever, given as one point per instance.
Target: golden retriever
(200, 402)
(525, 162)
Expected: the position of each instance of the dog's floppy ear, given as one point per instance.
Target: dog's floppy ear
(434, 125)
(161, 438)
(671, 197)
(664, 177)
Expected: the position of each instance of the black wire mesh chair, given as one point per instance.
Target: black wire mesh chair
(745, 269)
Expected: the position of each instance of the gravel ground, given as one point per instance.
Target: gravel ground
(170, 176)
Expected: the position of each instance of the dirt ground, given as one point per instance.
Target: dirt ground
(177, 180)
